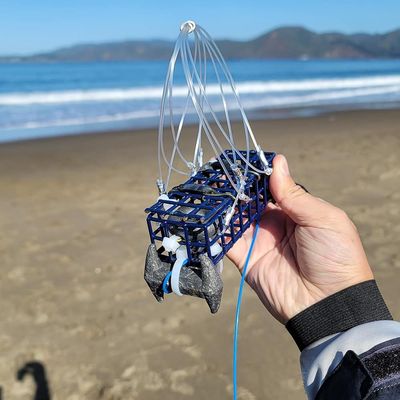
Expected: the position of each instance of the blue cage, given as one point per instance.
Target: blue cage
(195, 210)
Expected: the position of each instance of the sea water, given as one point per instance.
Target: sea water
(39, 100)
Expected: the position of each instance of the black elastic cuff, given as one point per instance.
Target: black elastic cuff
(339, 312)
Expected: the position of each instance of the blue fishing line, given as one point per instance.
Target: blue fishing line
(166, 286)
(237, 316)
(165, 283)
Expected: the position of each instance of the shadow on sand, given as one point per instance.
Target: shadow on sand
(37, 371)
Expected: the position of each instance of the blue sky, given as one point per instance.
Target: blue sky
(28, 26)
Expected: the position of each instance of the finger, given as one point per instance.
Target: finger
(272, 206)
(300, 206)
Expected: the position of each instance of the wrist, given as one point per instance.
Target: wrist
(350, 307)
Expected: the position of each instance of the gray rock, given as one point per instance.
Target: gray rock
(205, 282)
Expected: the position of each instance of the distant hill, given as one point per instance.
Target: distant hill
(281, 43)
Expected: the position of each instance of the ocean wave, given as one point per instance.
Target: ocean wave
(316, 98)
(134, 115)
(350, 96)
(151, 93)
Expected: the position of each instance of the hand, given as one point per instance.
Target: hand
(306, 249)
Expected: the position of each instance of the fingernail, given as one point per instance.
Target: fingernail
(284, 166)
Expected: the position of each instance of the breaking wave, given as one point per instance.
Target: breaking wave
(380, 83)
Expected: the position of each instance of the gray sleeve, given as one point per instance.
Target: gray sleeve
(319, 359)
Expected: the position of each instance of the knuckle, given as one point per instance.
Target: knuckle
(296, 191)
(292, 193)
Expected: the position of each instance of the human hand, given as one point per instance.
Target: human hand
(305, 251)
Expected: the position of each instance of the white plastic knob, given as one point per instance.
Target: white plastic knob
(171, 243)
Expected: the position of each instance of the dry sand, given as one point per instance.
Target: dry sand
(72, 243)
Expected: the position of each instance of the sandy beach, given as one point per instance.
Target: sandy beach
(73, 239)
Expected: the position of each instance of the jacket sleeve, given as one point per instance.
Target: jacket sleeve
(350, 346)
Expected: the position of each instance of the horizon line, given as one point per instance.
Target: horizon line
(85, 43)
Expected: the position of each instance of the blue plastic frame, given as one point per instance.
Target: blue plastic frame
(207, 211)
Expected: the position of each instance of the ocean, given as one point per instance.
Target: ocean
(42, 100)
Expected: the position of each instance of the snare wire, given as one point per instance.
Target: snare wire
(200, 110)
(167, 93)
(177, 135)
(198, 151)
(223, 98)
(231, 82)
(207, 129)
(203, 117)
(213, 50)
(194, 65)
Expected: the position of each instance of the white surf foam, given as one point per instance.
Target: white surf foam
(331, 97)
(316, 98)
(148, 93)
(134, 115)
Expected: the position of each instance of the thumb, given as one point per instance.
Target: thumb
(300, 206)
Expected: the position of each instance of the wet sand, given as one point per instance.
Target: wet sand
(72, 243)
